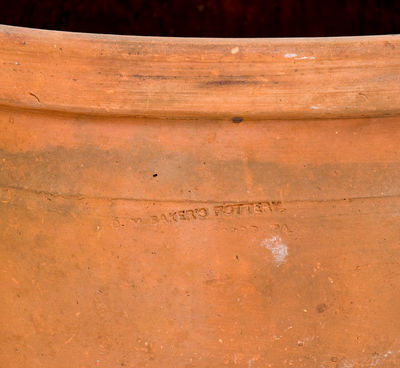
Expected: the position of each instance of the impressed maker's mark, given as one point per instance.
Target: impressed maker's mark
(202, 213)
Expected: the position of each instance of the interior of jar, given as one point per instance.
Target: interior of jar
(208, 18)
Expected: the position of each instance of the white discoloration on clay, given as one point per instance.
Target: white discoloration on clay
(235, 50)
(294, 56)
(379, 359)
(302, 342)
(346, 364)
(374, 360)
(278, 249)
(317, 107)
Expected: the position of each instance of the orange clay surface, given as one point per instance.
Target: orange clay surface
(199, 203)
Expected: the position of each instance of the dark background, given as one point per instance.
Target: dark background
(208, 18)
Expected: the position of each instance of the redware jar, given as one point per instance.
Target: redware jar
(183, 202)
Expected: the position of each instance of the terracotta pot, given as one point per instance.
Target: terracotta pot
(172, 202)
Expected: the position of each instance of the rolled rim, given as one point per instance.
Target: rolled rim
(199, 78)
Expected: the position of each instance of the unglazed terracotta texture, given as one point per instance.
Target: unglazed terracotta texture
(199, 202)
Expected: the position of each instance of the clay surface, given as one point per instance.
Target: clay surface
(199, 203)
(208, 18)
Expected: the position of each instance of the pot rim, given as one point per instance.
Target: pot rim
(199, 78)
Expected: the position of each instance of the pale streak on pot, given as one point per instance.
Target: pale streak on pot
(277, 247)
(295, 56)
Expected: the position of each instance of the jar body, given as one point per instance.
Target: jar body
(195, 237)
